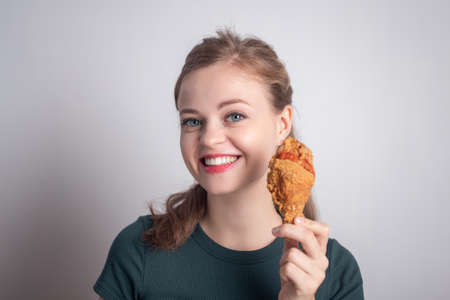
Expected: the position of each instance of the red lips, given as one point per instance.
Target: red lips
(214, 155)
(219, 168)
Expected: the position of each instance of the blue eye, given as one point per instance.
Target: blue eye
(236, 114)
(185, 122)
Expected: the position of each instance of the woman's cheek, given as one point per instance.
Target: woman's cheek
(255, 146)
(187, 153)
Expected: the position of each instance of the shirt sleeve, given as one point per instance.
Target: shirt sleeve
(122, 274)
(347, 282)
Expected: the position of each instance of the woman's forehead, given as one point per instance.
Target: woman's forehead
(219, 101)
(212, 86)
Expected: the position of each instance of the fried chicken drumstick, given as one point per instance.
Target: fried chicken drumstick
(291, 178)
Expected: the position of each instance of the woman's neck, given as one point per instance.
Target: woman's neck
(242, 221)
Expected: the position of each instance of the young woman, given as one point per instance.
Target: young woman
(224, 238)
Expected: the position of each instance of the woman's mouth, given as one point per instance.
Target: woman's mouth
(219, 166)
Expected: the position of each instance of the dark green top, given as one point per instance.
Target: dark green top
(203, 269)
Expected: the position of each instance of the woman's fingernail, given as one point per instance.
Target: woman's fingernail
(275, 230)
(299, 220)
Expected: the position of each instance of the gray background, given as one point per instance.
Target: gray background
(89, 133)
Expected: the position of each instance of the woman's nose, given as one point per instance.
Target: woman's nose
(212, 134)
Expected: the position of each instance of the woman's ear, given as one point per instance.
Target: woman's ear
(284, 123)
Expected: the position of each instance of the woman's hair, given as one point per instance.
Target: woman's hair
(185, 209)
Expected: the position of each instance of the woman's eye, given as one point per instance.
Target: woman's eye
(186, 122)
(194, 122)
(236, 114)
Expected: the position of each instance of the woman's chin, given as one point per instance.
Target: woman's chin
(215, 190)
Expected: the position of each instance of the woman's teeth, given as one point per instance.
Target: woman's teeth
(220, 160)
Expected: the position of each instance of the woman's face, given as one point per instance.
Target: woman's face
(248, 130)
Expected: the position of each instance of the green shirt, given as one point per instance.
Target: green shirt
(203, 269)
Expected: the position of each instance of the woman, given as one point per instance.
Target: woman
(224, 238)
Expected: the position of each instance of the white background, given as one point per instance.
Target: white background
(89, 133)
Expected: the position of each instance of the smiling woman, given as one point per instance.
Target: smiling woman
(215, 240)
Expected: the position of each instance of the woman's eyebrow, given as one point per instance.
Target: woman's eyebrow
(219, 106)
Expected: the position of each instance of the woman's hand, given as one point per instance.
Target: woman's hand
(302, 271)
